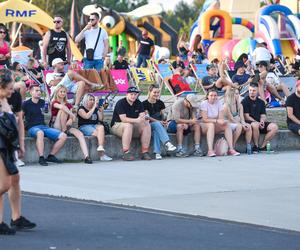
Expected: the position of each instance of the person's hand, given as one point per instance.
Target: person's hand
(88, 26)
(21, 151)
(141, 118)
(193, 121)
(262, 124)
(164, 123)
(221, 122)
(246, 126)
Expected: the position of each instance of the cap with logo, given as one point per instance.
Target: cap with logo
(133, 90)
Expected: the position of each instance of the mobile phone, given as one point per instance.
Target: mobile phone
(100, 102)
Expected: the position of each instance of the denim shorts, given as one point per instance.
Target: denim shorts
(51, 133)
(88, 129)
(93, 64)
(172, 128)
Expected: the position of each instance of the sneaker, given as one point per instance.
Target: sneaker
(146, 156)
(52, 158)
(211, 153)
(233, 152)
(42, 161)
(19, 163)
(128, 156)
(255, 149)
(105, 158)
(88, 160)
(5, 229)
(22, 223)
(100, 148)
(170, 147)
(181, 153)
(96, 87)
(158, 157)
(198, 152)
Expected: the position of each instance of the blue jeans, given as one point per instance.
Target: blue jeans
(94, 64)
(142, 60)
(159, 135)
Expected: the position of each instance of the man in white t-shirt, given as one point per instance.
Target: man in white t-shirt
(90, 34)
(261, 54)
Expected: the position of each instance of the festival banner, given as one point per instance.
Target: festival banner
(120, 78)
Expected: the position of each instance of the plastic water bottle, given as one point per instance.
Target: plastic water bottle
(46, 107)
(268, 147)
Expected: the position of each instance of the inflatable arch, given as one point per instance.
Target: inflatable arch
(31, 15)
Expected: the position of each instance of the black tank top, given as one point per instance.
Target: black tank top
(91, 121)
(57, 46)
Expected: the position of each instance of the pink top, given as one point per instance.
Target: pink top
(4, 49)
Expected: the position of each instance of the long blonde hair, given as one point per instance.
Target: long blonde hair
(231, 102)
(55, 96)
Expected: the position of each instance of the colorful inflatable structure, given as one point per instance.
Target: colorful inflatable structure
(279, 28)
(128, 27)
(275, 24)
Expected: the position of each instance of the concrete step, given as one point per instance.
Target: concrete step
(284, 140)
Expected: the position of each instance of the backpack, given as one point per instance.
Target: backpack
(221, 147)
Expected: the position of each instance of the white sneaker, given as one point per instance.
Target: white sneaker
(170, 147)
(100, 148)
(19, 163)
(105, 158)
(158, 157)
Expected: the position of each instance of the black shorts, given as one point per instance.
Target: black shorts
(8, 160)
(294, 128)
(262, 130)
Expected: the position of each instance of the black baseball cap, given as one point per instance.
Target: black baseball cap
(263, 63)
(133, 90)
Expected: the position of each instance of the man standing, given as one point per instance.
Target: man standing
(293, 110)
(145, 50)
(255, 115)
(96, 43)
(56, 43)
(129, 120)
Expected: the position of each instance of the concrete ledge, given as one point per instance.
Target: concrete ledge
(284, 140)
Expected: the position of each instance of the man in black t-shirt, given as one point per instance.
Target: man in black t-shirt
(35, 124)
(145, 50)
(56, 43)
(120, 63)
(255, 115)
(129, 120)
(293, 110)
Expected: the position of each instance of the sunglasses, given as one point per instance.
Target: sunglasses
(92, 19)
(2, 32)
(57, 21)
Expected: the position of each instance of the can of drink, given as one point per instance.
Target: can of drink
(46, 107)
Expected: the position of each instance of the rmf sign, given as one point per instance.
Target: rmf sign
(20, 13)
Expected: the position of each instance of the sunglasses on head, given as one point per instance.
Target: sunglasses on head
(58, 21)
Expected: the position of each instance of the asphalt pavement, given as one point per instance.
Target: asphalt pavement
(67, 224)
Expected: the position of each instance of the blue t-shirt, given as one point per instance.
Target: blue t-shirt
(33, 113)
(240, 79)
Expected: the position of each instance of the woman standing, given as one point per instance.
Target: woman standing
(234, 113)
(4, 48)
(90, 122)
(9, 174)
(154, 107)
(213, 123)
(62, 119)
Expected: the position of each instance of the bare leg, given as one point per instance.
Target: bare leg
(126, 136)
(284, 89)
(14, 195)
(197, 133)
(80, 137)
(237, 133)
(272, 130)
(100, 134)
(80, 92)
(58, 144)
(179, 133)
(40, 143)
(5, 183)
(145, 129)
(255, 132)
(248, 135)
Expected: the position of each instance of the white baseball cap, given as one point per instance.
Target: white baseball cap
(56, 61)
